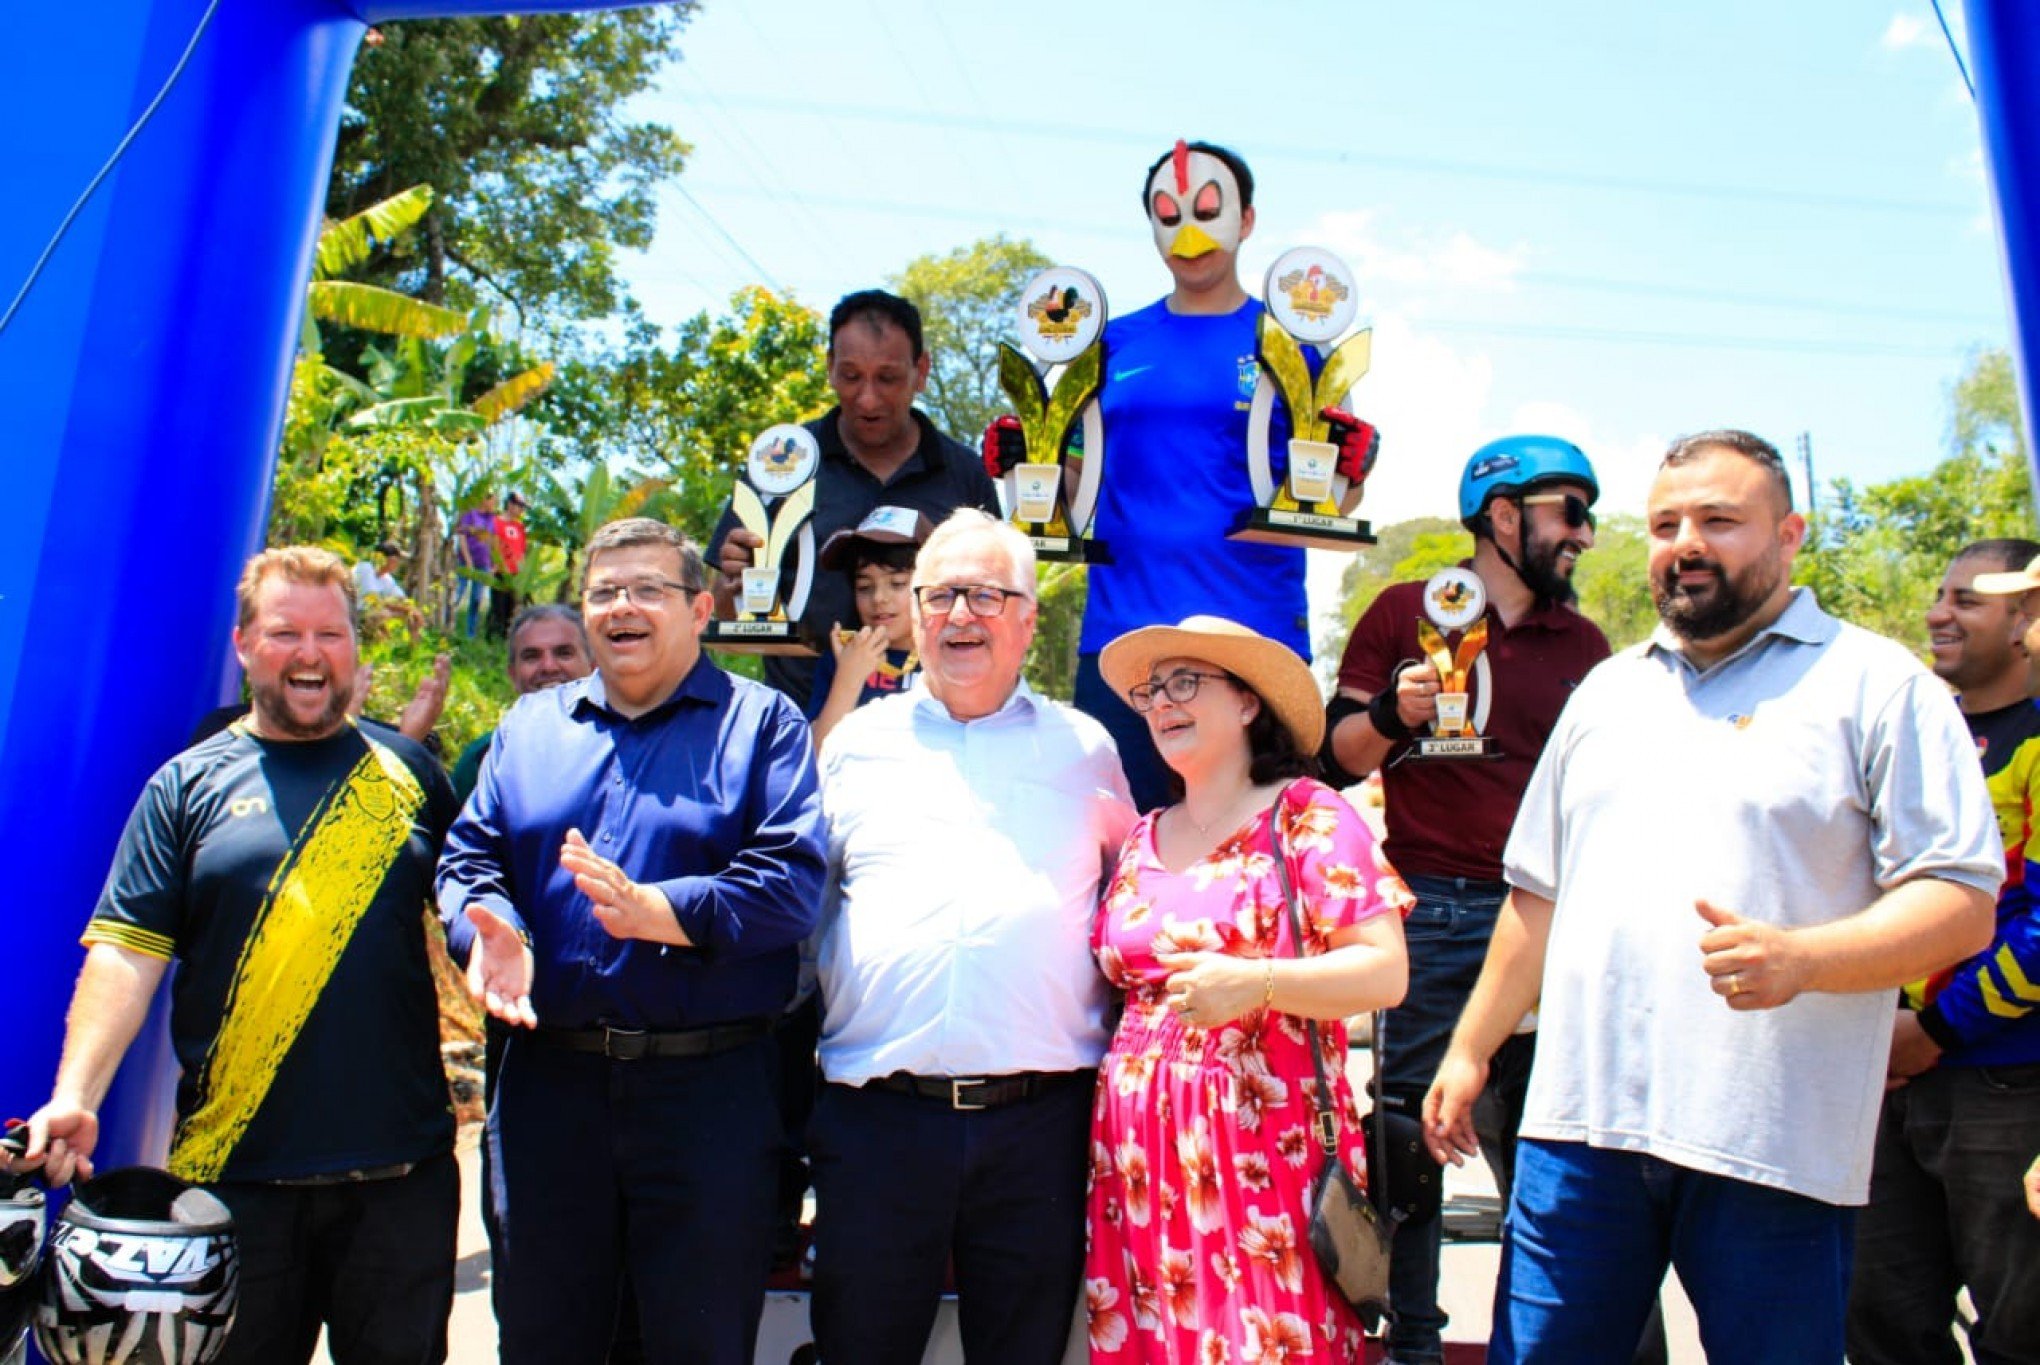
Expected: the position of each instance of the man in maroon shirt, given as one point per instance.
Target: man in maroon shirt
(1526, 499)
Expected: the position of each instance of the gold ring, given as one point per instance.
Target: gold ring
(1735, 986)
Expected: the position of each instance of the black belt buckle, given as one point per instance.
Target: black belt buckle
(956, 1100)
(626, 1044)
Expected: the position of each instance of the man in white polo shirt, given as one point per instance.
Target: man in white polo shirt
(970, 824)
(1744, 835)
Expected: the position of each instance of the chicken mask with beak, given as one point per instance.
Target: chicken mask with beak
(1193, 204)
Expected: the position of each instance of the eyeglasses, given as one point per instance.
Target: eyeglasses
(1577, 513)
(1181, 686)
(980, 599)
(646, 592)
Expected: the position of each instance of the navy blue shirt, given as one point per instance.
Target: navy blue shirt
(710, 796)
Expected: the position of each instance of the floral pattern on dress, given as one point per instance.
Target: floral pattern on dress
(1202, 1149)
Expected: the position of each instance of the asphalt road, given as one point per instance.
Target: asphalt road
(1466, 1290)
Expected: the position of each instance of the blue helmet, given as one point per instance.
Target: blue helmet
(1517, 464)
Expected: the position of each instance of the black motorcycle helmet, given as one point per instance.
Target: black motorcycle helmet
(142, 1269)
(23, 1228)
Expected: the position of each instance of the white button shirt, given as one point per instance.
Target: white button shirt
(965, 862)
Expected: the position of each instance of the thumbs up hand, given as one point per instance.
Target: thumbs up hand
(1751, 965)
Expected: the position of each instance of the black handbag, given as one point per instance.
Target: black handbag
(1347, 1233)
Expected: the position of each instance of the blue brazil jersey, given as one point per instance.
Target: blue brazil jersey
(1177, 390)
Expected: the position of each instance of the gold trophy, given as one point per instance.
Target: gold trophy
(1455, 601)
(1053, 384)
(1311, 300)
(775, 500)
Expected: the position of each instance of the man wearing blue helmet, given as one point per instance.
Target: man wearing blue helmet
(1528, 501)
(1745, 834)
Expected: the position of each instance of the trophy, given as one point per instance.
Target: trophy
(775, 500)
(1455, 601)
(1311, 302)
(1054, 387)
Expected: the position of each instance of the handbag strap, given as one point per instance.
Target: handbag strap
(1326, 1119)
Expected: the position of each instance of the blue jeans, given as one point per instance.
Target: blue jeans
(1945, 1212)
(472, 595)
(1146, 774)
(1448, 935)
(1591, 1231)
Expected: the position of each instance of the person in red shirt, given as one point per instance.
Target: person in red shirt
(1527, 500)
(510, 547)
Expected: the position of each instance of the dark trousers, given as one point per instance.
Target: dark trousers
(796, 1034)
(371, 1261)
(1146, 774)
(1447, 932)
(905, 1186)
(1946, 1211)
(663, 1168)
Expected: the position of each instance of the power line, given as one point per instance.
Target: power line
(1695, 340)
(975, 219)
(1955, 51)
(724, 233)
(754, 159)
(1337, 156)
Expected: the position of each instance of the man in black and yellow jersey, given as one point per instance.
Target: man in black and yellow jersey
(1962, 1110)
(285, 864)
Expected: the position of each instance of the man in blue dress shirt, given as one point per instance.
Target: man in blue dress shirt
(629, 886)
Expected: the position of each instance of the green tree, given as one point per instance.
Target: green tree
(686, 414)
(1876, 555)
(967, 300)
(519, 124)
(1416, 548)
(1613, 581)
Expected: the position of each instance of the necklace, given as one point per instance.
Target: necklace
(1219, 820)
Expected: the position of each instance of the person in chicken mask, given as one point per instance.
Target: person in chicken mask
(1179, 380)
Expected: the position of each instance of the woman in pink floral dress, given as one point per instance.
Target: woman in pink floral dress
(1202, 1156)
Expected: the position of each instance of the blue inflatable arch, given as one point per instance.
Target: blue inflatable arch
(146, 375)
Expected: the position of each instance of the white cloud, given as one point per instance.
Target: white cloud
(1428, 260)
(1905, 31)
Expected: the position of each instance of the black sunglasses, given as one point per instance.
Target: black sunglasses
(1577, 513)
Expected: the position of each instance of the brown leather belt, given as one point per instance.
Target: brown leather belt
(632, 1045)
(967, 1093)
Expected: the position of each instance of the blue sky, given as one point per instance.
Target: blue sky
(1612, 222)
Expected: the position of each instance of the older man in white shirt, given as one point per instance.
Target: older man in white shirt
(971, 822)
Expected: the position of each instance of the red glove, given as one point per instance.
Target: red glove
(1358, 443)
(1005, 445)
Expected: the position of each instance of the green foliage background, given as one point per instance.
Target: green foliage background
(1874, 555)
(525, 180)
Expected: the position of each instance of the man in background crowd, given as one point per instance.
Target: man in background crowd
(1962, 1114)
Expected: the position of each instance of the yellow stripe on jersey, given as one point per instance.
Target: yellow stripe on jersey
(2025, 995)
(318, 896)
(131, 936)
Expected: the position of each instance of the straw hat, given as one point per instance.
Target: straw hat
(1282, 680)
